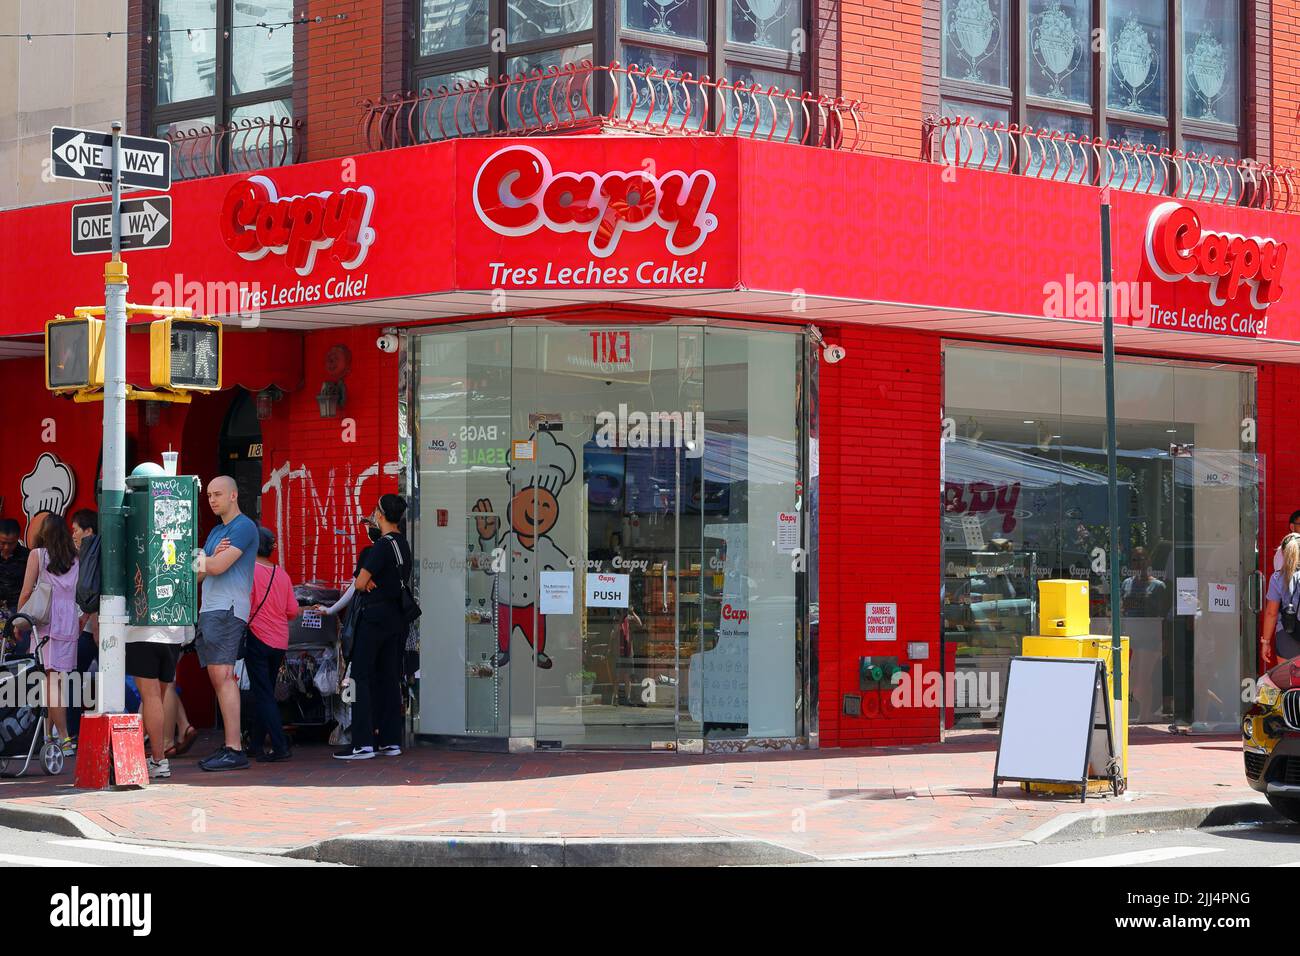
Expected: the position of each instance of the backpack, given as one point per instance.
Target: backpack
(88, 579)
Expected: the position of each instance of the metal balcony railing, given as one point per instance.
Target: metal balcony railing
(244, 145)
(583, 97)
(964, 142)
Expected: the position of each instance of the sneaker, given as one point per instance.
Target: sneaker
(354, 753)
(272, 756)
(228, 759)
(392, 750)
(159, 769)
(69, 747)
(214, 755)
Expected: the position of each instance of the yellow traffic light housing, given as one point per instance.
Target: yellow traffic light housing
(185, 354)
(74, 353)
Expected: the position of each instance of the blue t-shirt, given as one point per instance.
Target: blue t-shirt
(230, 590)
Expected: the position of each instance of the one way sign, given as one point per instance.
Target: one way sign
(87, 155)
(146, 224)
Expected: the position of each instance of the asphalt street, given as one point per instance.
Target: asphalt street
(1255, 845)
(23, 848)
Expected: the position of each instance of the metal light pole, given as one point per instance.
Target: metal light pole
(1112, 463)
(112, 605)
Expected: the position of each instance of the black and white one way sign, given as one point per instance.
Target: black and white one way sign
(87, 155)
(146, 224)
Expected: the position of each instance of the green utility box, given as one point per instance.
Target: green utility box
(161, 533)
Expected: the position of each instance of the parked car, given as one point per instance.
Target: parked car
(1271, 738)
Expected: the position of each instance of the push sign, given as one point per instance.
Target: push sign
(607, 590)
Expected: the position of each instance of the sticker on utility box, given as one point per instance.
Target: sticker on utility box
(163, 592)
(607, 590)
(1223, 598)
(882, 622)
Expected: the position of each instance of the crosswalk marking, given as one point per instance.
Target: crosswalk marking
(1139, 857)
(17, 860)
(193, 856)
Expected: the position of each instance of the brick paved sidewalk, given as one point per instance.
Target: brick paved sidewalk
(831, 803)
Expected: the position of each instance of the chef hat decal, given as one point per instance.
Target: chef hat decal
(49, 486)
(553, 468)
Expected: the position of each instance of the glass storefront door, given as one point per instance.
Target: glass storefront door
(615, 512)
(1025, 499)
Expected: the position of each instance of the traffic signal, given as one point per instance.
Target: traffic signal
(185, 354)
(74, 354)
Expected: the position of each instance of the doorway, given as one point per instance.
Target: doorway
(600, 505)
(240, 451)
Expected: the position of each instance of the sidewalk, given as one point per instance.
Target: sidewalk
(822, 805)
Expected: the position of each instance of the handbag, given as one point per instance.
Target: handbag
(37, 606)
(248, 628)
(409, 607)
(88, 575)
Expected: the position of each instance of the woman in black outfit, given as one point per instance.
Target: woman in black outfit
(380, 638)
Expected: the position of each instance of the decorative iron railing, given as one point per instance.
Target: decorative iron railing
(583, 96)
(241, 146)
(965, 142)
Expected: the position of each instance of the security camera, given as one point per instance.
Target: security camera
(386, 343)
(834, 353)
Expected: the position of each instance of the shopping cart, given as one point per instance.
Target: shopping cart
(22, 727)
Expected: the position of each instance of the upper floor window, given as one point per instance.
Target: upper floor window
(218, 64)
(1164, 73)
(751, 42)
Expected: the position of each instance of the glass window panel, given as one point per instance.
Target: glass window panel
(536, 19)
(672, 18)
(683, 98)
(465, 111)
(1058, 55)
(187, 62)
(756, 114)
(260, 59)
(193, 146)
(975, 41)
(767, 23)
(1137, 171)
(1201, 179)
(452, 25)
(1138, 34)
(1057, 159)
(1211, 68)
(268, 141)
(523, 111)
(973, 146)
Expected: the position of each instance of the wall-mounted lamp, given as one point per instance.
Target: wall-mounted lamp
(265, 399)
(331, 398)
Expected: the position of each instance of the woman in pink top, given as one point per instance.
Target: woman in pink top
(54, 560)
(274, 606)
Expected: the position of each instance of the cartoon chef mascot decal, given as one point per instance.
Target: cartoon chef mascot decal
(534, 508)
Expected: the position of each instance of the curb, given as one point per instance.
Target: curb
(545, 851)
(51, 820)
(1099, 824)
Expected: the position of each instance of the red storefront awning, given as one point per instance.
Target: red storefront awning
(710, 224)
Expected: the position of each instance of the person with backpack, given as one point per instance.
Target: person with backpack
(384, 581)
(49, 597)
(1280, 629)
(264, 649)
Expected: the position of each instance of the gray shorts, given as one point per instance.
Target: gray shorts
(219, 636)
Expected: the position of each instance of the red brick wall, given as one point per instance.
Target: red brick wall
(880, 62)
(325, 474)
(1286, 81)
(344, 65)
(879, 522)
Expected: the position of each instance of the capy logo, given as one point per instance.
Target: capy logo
(49, 486)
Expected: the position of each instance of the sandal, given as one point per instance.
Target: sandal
(186, 742)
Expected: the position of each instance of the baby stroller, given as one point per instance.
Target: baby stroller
(22, 728)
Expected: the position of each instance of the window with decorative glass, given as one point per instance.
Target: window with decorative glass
(748, 42)
(1154, 73)
(224, 63)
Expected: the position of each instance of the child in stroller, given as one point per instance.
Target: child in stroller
(23, 728)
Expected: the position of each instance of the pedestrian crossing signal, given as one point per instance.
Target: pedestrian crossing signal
(74, 354)
(185, 354)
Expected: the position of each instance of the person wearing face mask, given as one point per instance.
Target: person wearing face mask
(1293, 527)
(380, 638)
(1279, 630)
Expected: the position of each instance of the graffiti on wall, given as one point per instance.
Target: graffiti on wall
(315, 517)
